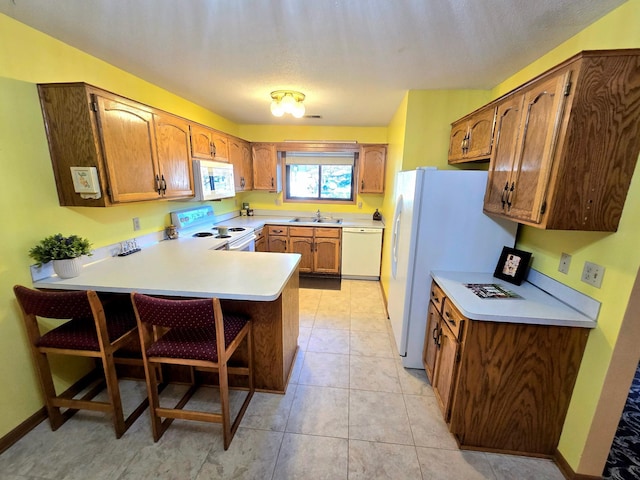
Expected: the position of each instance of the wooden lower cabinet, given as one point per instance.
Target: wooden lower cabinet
(320, 248)
(278, 238)
(261, 240)
(503, 387)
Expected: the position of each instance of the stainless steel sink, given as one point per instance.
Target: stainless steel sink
(335, 221)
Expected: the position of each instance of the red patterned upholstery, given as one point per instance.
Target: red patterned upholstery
(191, 336)
(90, 328)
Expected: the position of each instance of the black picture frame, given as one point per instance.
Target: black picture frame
(512, 265)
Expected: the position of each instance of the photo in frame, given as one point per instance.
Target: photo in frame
(513, 265)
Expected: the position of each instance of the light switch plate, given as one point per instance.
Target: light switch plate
(565, 261)
(592, 274)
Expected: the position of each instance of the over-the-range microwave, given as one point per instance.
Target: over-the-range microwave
(214, 180)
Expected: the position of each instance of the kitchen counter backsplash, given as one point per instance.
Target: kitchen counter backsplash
(262, 217)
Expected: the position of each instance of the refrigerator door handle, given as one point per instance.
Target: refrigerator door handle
(394, 240)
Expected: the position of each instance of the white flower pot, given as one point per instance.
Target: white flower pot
(67, 268)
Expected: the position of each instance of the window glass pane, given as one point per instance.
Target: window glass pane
(304, 181)
(336, 182)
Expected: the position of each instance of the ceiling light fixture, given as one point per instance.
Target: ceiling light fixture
(287, 101)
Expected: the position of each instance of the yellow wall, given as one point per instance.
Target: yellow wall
(28, 200)
(617, 252)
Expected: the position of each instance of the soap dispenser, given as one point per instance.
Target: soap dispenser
(377, 215)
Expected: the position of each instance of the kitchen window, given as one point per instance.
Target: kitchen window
(319, 177)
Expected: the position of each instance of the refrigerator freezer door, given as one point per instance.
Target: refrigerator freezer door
(403, 247)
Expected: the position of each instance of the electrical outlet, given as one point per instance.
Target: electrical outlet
(359, 204)
(565, 261)
(592, 274)
(136, 224)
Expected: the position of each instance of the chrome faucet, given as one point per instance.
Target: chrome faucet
(318, 216)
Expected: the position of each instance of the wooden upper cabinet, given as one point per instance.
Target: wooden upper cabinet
(128, 145)
(566, 144)
(371, 166)
(201, 142)
(472, 136)
(174, 155)
(220, 146)
(240, 157)
(266, 171)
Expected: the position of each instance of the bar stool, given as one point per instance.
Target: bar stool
(89, 330)
(196, 334)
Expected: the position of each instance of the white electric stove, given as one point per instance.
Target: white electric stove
(197, 223)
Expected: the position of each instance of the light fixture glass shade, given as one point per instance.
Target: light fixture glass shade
(298, 110)
(276, 109)
(287, 101)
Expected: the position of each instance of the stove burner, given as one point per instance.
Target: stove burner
(222, 236)
(237, 229)
(203, 234)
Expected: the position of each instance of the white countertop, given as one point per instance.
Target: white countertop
(534, 307)
(187, 267)
(259, 221)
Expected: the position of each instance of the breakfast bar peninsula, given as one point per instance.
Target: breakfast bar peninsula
(262, 285)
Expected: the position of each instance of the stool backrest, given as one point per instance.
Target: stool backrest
(58, 305)
(198, 313)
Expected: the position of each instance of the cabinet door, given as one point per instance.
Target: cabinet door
(445, 369)
(129, 147)
(542, 112)
(303, 246)
(201, 142)
(326, 255)
(480, 134)
(265, 168)
(220, 146)
(431, 341)
(504, 153)
(278, 244)
(174, 156)
(371, 169)
(240, 157)
(457, 140)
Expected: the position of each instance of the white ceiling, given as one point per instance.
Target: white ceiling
(354, 59)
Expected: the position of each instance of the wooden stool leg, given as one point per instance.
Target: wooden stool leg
(113, 390)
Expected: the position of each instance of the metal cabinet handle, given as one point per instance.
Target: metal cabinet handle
(450, 319)
(434, 335)
(158, 187)
(510, 196)
(272, 185)
(163, 185)
(362, 185)
(504, 191)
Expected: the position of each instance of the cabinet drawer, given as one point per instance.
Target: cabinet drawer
(437, 296)
(259, 233)
(301, 231)
(453, 318)
(329, 232)
(277, 230)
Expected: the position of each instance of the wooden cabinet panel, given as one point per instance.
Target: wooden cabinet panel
(220, 146)
(471, 137)
(514, 386)
(261, 241)
(437, 296)
(240, 157)
(371, 168)
(201, 142)
(266, 171)
(278, 244)
(174, 155)
(445, 369)
(431, 336)
(326, 257)
(129, 147)
(304, 246)
(566, 160)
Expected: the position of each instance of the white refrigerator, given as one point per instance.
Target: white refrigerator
(438, 224)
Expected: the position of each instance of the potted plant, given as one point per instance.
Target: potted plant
(65, 252)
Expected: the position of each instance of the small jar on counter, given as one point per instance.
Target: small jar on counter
(172, 232)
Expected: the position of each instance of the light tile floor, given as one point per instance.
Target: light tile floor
(351, 412)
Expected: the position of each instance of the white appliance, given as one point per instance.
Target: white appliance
(438, 225)
(197, 223)
(361, 250)
(213, 180)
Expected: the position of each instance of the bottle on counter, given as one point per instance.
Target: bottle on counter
(377, 215)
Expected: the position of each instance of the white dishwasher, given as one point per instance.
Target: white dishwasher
(361, 252)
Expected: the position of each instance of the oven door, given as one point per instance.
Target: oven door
(244, 244)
